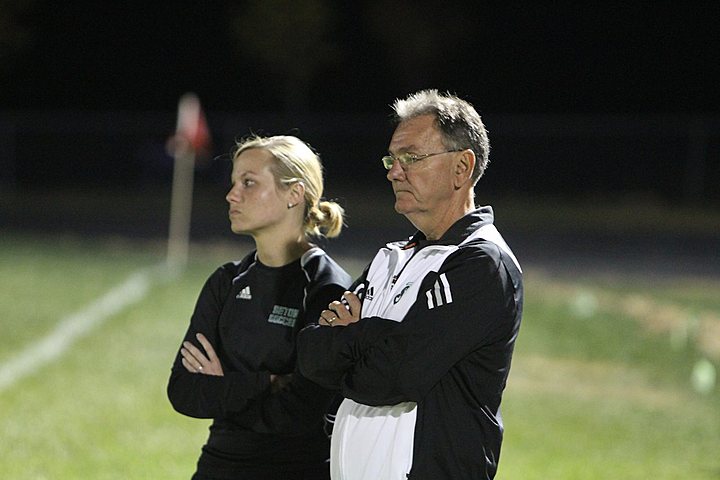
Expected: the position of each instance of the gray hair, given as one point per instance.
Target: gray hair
(458, 121)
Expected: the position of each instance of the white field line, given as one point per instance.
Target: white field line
(75, 325)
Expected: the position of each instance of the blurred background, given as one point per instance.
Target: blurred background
(601, 102)
(604, 123)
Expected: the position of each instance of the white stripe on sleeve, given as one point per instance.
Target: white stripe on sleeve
(446, 288)
(438, 297)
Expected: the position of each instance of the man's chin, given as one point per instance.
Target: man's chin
(402, 207)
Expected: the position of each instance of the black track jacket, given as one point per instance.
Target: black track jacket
(424, 369)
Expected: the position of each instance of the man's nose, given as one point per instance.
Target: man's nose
(396, 172)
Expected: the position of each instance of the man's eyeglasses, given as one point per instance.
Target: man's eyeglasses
(406, 159)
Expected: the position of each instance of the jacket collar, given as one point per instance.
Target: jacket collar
(458, 232)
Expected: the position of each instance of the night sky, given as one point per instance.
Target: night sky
(515, 57)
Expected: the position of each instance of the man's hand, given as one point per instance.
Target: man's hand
(278, 382)
(196, 362)
(342, 312)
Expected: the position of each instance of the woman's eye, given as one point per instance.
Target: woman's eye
(248, 182)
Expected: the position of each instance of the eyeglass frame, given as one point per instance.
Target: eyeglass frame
(411, 158)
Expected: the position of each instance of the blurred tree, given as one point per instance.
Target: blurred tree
(292, 39)
(419, 39)
(14, 35)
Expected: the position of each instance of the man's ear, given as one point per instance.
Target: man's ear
(464, 167)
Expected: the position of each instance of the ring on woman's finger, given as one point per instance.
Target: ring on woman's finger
(330, 321)
(200, 368)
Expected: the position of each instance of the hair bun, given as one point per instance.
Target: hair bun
(327, 217)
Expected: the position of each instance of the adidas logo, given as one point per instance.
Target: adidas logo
(369, 293)
(244, 294)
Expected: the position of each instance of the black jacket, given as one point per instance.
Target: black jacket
(251, 315)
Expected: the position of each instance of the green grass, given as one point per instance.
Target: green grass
(100, 411)
(44, 280)
(597, 391)
(600, 388)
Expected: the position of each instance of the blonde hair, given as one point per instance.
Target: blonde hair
(296, 162)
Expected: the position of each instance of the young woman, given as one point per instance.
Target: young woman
(237, 363)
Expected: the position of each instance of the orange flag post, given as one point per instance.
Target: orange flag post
(192, 136)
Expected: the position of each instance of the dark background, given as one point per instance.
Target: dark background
(334, 56)
(585, 101)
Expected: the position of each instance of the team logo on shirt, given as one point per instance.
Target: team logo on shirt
(402, 292)
(440, 293)
(244, 294)
(284, 316)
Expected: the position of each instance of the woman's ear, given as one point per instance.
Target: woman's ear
(296, 194)
(464, 167)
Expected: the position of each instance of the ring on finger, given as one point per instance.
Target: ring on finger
(200, 368)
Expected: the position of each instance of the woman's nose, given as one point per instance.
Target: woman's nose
(232, 195)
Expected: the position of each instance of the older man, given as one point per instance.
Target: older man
(423, 343)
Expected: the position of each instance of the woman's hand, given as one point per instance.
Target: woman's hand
(195, 361)
(342, 312)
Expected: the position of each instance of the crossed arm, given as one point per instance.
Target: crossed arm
(376, 361)
(203, 385)
(208, 363)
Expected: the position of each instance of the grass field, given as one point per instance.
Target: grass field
(602, 384)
